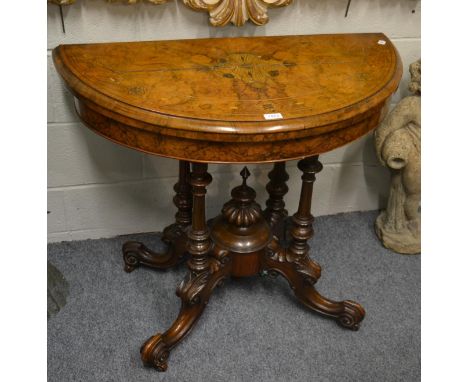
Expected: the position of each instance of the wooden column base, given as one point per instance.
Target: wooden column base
(242, 245)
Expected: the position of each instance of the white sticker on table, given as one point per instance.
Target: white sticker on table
(273, 116)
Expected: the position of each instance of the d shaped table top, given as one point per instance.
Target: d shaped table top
(256, 99)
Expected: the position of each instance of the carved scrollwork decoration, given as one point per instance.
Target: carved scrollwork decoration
(155, 352)
(237, 12)
(192, 287)
(352, 315)
(61, 2)
(308, 269)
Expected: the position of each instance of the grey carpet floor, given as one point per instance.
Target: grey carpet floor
(252, 329)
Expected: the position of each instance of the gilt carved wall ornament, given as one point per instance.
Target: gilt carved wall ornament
(222, 12)
(236, 11)
(61, 2)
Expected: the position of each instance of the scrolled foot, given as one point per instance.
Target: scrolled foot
(194, 292)
(302, 273)
(155, 353)
(352, 315)
(131, 254)
(136, 253)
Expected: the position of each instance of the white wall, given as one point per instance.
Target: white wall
(98, 189)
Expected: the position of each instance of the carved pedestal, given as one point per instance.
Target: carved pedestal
(241, 243)
(283, 98)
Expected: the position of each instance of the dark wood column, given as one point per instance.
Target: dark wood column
(136, 253)
(296, 266)
(183, 197)
(301, 229)
(207, 267)
(275, 213)
(199, 235)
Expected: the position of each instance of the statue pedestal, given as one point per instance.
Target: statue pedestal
(406, 241)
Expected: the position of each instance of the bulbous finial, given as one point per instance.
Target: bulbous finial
(244, 193)
(242, 210)
(245, 173)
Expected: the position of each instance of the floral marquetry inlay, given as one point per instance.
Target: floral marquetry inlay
(253, 70)
(221, 12)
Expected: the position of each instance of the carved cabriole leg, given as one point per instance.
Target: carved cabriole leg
(136, 253)
(207, 267)
(295, 265)
(275, 213)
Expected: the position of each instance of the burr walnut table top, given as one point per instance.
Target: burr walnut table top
(256, 99)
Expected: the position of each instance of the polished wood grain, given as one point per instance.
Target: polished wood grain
(205, 100)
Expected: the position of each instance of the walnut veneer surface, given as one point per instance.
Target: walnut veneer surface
(208, 100)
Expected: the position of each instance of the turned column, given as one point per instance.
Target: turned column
(275, 213)
(183, 197)
(301, 230)
(199, 242)
(183, 201)
(207, 268)
(294, 262)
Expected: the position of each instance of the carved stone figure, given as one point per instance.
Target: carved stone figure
(398, 145)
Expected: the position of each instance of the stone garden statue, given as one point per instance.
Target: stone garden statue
(398, 145)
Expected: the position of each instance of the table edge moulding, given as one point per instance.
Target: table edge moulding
(224, 140)
(234, 100)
